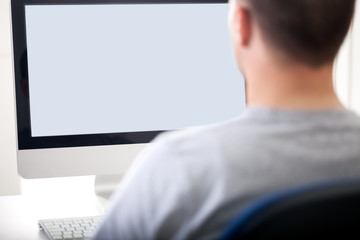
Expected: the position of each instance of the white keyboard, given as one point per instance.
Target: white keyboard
(70, 228)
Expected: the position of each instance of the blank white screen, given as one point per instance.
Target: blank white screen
(128, 68)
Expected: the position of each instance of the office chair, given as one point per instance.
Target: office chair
(325, 209)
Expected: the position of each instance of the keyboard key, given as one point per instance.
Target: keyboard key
(54, 228)
(48, 224)
(87, 235)
(57, 237)
(80, 228)
(78, 235)
(68, 236)
(88, 231)
(55, 232)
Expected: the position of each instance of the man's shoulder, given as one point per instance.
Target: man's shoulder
(200, 136)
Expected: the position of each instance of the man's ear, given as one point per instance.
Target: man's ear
(242, 25)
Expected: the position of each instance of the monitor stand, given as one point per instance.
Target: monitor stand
(105, 185)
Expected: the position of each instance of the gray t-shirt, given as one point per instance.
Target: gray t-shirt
(189, 184)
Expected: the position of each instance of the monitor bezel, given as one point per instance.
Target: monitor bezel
(25, 139)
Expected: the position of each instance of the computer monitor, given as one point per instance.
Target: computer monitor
(96, 80)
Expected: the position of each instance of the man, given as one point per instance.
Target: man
(190, 184)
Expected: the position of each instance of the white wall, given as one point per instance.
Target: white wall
(347, 70)
(9, 181)
(347, 75)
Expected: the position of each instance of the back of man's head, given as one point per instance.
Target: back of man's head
(309, 31)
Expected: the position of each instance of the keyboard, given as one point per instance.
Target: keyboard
(69, 228)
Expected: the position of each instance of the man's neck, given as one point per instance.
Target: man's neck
(292, 87)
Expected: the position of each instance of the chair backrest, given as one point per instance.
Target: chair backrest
(324, 209)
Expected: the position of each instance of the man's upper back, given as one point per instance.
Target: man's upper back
(189, 184)
(267, 150)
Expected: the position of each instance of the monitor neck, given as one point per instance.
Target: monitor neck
(105, 185)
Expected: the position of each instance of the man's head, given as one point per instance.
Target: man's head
(303, 31)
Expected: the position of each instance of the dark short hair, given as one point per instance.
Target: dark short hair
(309, 31)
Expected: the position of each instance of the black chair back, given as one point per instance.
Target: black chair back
(326, 209)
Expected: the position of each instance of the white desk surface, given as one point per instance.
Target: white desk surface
(19, 214)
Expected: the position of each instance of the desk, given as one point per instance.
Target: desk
(19, 214)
